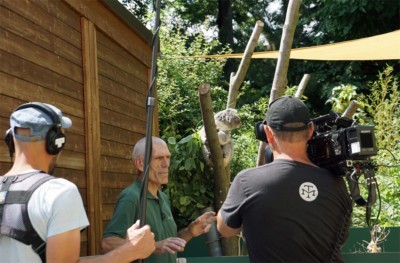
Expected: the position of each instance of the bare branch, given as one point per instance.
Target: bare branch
(302, 86)
(237, 79)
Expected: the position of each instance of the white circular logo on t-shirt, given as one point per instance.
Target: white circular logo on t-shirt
(308, 191)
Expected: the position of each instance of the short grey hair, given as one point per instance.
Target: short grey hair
(140, 147)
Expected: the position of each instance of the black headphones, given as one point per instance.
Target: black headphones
(260, 132)
(55, 138)
(262, 136)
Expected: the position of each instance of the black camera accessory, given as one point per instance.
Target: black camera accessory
(260, 132)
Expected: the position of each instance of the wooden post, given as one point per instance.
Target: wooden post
(279, 83)
(237, 79)
(92, 134)
(302, 86)
(221, 185)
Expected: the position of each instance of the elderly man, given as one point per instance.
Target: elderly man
(158, 215)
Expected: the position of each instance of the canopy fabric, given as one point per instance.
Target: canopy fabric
(380, 47)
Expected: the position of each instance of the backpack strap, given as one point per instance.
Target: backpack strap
(38, 244)
(7, 181)
(31, 237)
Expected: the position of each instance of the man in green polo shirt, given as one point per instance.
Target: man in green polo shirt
(169, 241)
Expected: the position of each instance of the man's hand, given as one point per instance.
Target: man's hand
(200, 226)
(170, 245)
(141, 240)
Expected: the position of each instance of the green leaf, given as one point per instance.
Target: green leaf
(188, 164)
(184, 200)
(172, 140)
(186, 139)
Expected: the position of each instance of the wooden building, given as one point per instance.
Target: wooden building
(91, 59)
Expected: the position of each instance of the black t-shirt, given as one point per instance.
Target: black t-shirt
(290, 212)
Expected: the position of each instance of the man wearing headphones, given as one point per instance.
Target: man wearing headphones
(290, 210)
(41, 216)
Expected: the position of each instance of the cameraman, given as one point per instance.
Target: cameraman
(290, 210)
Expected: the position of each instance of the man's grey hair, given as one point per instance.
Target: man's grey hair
(140, 147)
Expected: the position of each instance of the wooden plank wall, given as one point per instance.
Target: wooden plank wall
(42, 59)
(123, 118)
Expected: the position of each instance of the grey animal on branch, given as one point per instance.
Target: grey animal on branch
(225, 122)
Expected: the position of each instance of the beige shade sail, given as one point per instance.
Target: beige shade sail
(380, 47)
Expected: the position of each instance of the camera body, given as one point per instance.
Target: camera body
(337, 142)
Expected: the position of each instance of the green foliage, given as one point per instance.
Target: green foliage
(341, 97)
(324, 22)
(178, 80)
(245, 143)
(137, 7)
(382, 109)
(382, 106)
(190, 186)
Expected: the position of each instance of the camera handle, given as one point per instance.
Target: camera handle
(369, 176)
(354, 187)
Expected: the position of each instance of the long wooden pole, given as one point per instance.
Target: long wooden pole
(237, 78)
(279, 83)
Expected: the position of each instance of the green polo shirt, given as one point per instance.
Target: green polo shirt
(158, 216)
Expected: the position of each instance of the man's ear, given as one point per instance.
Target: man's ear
(139, 164)
(310, 130)
(268, 133)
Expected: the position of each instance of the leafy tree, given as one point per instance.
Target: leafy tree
(320, 22)
(191, 185)
(324, 22)
(137, 7)
(178, 79)
(382, 108)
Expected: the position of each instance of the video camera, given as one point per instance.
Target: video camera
(339, 142)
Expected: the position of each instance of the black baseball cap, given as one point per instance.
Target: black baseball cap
(287, 109)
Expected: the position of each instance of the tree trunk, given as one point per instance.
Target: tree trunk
(237, 79)
(225, 32)
(279, 83)
(221, 185)
(302, 86)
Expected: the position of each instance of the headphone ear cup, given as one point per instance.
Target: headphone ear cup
(55, 141)
(10, 142)
(260, 132)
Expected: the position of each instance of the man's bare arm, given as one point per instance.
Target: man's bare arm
(65, 247)
(224, 229)
(111, 243)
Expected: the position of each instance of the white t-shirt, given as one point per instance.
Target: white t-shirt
(55, 207)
